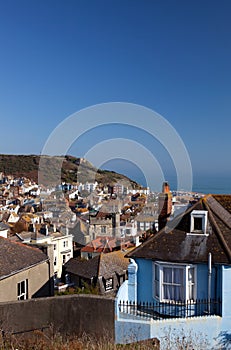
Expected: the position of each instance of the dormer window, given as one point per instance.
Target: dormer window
(198, 222)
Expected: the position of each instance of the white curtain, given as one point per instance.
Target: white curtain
(173, 283)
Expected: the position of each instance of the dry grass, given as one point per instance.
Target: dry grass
(41, 341)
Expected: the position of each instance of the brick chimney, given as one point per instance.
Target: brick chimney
(165, 206)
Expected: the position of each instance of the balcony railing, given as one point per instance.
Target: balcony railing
(172, 309)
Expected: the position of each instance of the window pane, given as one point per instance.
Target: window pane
(157, 281)
(178, 276)
(191, 274)
(197, 223)
(168, 292)
(109, 284)
(173, 283)
(22, 290)
(179, 293)
(167, 274)
(157, 278)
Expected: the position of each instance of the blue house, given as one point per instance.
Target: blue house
(180, 280)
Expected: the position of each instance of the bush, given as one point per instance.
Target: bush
(86, 289)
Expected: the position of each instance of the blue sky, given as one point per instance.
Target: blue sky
(58, 57)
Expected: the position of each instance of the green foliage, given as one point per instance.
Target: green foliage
(86, 289)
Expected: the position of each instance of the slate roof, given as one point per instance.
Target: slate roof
(104, 265)
(178, 245)
(82, 267)
(111, 263)
(15, 257)
(3, 226)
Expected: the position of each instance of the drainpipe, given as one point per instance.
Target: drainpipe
(49, 272)
(209, 279)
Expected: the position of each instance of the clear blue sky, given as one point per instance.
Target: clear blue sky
(57, 57)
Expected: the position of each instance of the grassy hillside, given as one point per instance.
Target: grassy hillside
(73, 169)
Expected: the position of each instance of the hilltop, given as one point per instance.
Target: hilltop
(73, 169)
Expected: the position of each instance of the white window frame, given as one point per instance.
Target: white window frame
(189, 286)
(22, 290)
(65, 244)
(109, 284)
(64, 259)
(203, 215)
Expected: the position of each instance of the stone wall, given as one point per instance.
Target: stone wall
(70, 314)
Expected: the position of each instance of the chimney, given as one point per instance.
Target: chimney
(165, 206)
(165, 187)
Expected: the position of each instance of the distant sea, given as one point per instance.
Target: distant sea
(203, 184)
(212, 184)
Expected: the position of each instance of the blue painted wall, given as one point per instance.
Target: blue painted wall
(202, 282)
(144, 280)
(226, 288)
(211, 329)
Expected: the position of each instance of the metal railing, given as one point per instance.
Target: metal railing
(172, 309)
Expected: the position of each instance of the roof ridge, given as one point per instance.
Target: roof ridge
(219, 233)
(214, 205)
